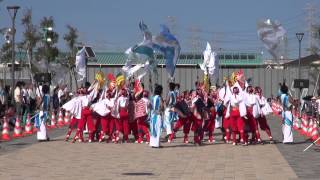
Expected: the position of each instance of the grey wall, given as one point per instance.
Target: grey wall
(267, 79)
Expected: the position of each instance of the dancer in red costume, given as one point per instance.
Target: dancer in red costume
(237, 116)
(141, 114)
(226, 121)
(86, 116)
(251, 102)
(122, 123)
(197, 109)
(265, 110)
(182, 108)
(212, 114)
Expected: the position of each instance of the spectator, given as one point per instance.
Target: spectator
(32, 97)
(25, 102)
(61, 94)
(18, 99)
(55, 100)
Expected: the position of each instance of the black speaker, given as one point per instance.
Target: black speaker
(301, 83)
(42, 77)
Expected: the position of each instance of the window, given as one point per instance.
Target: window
(221, 56)
(243, 56)
(228, 56)
(236, 56)
(251, 56)
(198, 56)
(159, 56)
(182, 56)
(189, 56)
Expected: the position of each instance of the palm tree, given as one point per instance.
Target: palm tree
(48, 51)
(31, 37)
(71, 39)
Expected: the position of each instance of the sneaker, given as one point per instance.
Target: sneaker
(185, 140)
(211, 140)
(245, 144)
(234, 143)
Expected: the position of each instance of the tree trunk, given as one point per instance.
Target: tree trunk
(29, 54)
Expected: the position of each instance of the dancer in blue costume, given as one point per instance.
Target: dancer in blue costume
(169, 114)
(287, 118)
(41, 118)
(156, 119)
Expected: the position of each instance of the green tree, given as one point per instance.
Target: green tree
(71, 40)
(48, 50)
(31, 37)
(6, 53)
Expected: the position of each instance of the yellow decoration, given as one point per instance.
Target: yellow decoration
(120, 81)
(100, 78)
(206, 85)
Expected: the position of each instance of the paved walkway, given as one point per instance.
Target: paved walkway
(57, 159)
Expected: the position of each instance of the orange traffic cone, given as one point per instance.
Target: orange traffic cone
(5, 130)
(53, 120)
(310, 128)
(28, 128)
(295, 123)
(315, 132)
(17, 132)
(60, 120)
(304, 125)
(67, 118)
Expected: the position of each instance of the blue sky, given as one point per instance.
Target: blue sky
(112, 25)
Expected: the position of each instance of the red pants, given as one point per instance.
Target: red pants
(197, 128)
(253, 125)
(104, 121)
(73, 122)
(185, 122)
(86, 118)
(237, 124)
(211, 125)
(143, 128)
(124, 123)
(72, 125)
(133, 127)
(262, 121)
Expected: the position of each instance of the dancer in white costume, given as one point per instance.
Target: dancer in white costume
(287, 121)
(156, 119)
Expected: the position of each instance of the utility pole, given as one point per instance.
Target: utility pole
(13, 13)
(311, 11)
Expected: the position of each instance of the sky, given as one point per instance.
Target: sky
(112, 25)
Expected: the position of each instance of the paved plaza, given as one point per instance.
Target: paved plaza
(57, 159)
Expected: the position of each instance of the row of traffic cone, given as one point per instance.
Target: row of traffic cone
(28, 130)
(303, 126)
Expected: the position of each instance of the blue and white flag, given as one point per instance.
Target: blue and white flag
(271, 33)
(81, 63)
(168, 44)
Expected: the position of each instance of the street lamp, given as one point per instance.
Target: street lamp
(299, 37)
(12, 10)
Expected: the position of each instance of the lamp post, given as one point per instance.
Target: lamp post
(299, 37)
(12, 10)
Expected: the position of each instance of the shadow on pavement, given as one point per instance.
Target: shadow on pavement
(138, 174)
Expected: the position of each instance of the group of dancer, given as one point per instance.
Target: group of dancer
(114, 113)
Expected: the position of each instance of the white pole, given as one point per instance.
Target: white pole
(311, 144)
(315, 87)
